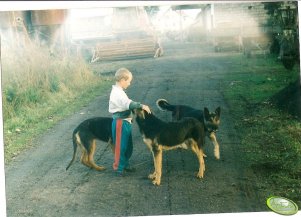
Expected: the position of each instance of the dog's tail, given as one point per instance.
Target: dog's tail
(74, 149)
(163, 105)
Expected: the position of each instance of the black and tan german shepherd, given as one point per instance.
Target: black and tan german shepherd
(211, 120)
(159, 136)
(85, 136)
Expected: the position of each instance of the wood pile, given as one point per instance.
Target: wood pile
(124, 49)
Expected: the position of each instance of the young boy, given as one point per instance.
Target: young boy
(120, 106)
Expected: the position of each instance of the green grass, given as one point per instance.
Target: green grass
(38, 90)
(270, 137)
(22, 129)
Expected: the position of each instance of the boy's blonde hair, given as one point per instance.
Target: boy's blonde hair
(122, 73)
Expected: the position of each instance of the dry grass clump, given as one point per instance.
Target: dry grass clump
(31, 75)
(38, 89)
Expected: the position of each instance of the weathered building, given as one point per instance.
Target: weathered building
(232, 26)
(240, 26)
(42, 26)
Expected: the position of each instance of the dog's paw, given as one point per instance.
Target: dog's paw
(152, 175)
(217, 156)
(200, 175)
(216, 153)
(201, 172)
(156, 182)
(100, 168)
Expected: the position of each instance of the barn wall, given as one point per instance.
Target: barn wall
(48, 17)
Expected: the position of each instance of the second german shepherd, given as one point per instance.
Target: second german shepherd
(211, 120)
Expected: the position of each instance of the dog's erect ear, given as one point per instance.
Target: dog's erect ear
(139, 113)
(206, 113)
(134, 111)
(218, 112)
(142, 113)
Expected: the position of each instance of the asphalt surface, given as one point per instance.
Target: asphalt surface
(37, 183)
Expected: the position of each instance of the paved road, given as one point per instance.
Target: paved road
(38, 185)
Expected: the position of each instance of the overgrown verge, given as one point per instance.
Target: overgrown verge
(270, 137)
(38, 90)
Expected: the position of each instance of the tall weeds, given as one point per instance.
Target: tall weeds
(36, 85)
(30, 74)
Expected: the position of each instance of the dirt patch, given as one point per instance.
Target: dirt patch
(38, 185)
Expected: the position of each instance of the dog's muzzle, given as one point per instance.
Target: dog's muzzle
(211, 128)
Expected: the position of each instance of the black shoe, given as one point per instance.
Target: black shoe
(130, 169)
(120, 174)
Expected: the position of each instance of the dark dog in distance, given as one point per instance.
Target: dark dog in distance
(160, 136)
(85, 136)
(211, 120)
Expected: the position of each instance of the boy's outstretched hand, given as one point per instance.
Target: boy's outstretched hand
(146, 108)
